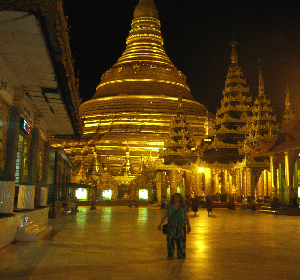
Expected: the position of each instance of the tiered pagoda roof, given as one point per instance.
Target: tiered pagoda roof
(180, 146)
(263, 125)
(288, 112)
(232, 118)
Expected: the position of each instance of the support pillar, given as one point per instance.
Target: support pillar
(229, 184)
(188, 185)
(34, 147)
(27, 191)
(273, 171)
(7, 178)
(291, 158)
(208, 182)
(215, 182)
(198, 191)
(260, 184)
(238, 182)
(281, 184)
(43, 190)
(7, 195)
(26, 197)
(266, 183)
(223, 183)
(295, 202)
(174, 181)
(250, 184)
(158, 186)
(164, 184)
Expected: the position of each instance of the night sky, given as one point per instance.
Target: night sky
(197, 36)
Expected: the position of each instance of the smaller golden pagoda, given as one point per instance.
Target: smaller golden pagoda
(230, 126)
(263, 125)
(288, 112)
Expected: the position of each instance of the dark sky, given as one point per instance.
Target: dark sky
(197, 36)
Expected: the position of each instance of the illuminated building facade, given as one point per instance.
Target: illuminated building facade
(245, 152)
(38, 99)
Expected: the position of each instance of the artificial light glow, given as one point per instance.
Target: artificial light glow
(143, 194)
(81, 194)
(142, 80)
(106, 194)
(201, 169)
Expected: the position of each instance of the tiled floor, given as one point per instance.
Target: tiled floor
(123, 243)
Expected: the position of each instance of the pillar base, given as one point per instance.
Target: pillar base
(26, 197)
(43, 196)
(7, 194)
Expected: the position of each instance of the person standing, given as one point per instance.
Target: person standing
(176, 212)
(209, 206)
(163, 203)
(195, 205)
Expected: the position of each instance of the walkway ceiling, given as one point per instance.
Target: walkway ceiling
(31, 50)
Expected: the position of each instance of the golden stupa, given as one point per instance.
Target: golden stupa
(127, 120)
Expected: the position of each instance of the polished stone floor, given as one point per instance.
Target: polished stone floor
(123, 243)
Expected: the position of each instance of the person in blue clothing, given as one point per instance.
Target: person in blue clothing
(179, 225)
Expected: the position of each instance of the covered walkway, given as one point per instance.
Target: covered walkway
(119, 242)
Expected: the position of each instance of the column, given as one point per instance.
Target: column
(223, 183)
(238, 183)
(7, 179)
(289, 169)
(230, 179)
(281, 184)
(208, 182)
(266, 183)
(295, 202)
(250, 184)
(174, 181)
(27, 191)
(158, 186)
(244, 182)
(34, 146)
(188, 183)
(215, 182)
(43, 190)
(198, 191)
(163, 184)
(260, 184)
(274, 189)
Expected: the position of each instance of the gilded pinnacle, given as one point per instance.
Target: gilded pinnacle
(234, 57)
(145, 8)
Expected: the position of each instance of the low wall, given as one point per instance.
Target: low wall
(8, 229)
(39, 216)
(9, 225)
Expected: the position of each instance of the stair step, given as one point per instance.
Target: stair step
(33, 233)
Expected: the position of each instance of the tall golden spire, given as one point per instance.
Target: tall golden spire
(234, 57)
(288, 112)
(287, 98)
(261, 83)
(144, 67)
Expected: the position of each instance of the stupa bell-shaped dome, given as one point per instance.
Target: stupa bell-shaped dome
(136, 100)
(144, 67)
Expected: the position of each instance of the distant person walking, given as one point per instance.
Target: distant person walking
(195, 205)
(178, 220)
(209, 206)
(163, 203)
